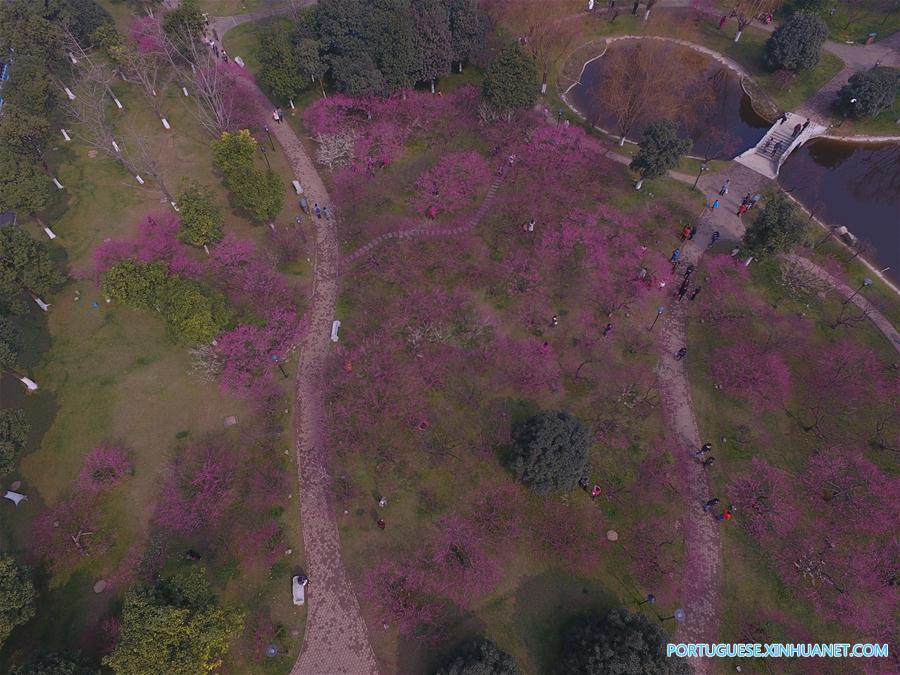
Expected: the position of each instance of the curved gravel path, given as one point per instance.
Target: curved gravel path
(877, 318)
(336, 640)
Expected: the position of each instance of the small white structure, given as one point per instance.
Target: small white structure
(50, 233)
(73, 59)
(297, 187)
(335, 327)
(139, 179)
(59, 186)
(298, 589)
(17, 497)
(30, 384)
(66, 135)
(116, 147)
(118, 103)
(238, 60)
(165, 123)
(291, 101)
(69, 93)
(40, 303)
(184, 91)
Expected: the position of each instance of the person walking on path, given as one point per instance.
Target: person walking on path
(706, 447)
(318, 211)
(783, 118)
(714, 205)
(777, 149)
(797, 129)
(595, 492)
(708, 462)
(742, 209)
(325, 212)
(724, 190)
(607, 330)
(721, 21)
(681, 353)
(676, 256)
(725, 515)
(805, 124)
(711, 503)
(713, 239)
(682, 290)
(686, 233)
(695, 292)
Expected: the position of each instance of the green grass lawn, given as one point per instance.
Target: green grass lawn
(110, 374)
(884, 124)
(854, 22)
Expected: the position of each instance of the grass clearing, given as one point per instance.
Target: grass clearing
(109, 374)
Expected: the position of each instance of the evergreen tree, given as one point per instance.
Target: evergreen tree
(621, 643)
(481, 657)
(14, 429)
(869, 93)
(278, 68)
(467, 28)
(201, 218)
(778, 228)
(510, 81)
(659, 150)
(25, 264)
(550, 451)
(10, 343)
(797, 43)
(174, 628)
(432, 40)
(17, 596)
(24, 187)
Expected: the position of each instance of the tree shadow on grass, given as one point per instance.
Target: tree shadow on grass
(546, 604)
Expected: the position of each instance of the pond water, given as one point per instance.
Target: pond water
(725, 123)
(854, 185)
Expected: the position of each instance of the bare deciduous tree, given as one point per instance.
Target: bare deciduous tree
(639, 80)
(335, 149)
(93, 96)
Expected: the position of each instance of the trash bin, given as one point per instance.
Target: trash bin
(871, 38)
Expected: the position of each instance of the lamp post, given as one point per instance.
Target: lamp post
(277, 360)
(704, 166)
(265, 155)
(266, 127)
(678, 615)
(559, 114)
(866, 282)
(659, 312)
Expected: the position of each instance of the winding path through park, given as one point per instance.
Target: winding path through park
(336, 640)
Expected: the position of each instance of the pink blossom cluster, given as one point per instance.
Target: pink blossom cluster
(830, 533)
(753, 372)
(452, 183)
(382, 126)
(157, 239)
(146, 33)
(103, 468)
(199, 489)
(251, 352)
